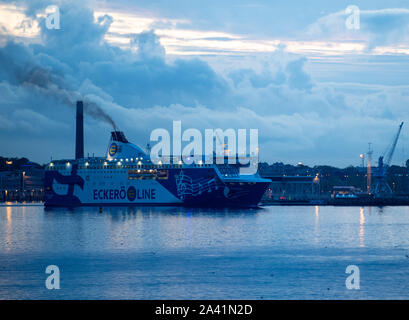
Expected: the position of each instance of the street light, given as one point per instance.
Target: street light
(362, 156)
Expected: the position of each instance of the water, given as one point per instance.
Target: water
(179, 253)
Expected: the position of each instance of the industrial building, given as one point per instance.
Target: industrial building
(292, 188)
(19, 185)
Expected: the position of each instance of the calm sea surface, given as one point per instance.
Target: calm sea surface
(178, 253)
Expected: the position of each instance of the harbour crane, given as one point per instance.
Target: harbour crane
(384, 161)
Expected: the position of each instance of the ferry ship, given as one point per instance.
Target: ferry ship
(127, 176)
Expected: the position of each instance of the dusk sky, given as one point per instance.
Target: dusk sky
(316, 90)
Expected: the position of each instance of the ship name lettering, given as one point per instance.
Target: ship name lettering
(115, 194)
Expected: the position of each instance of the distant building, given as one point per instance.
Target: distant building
(292, 188)
(345, 192)
(22, 185)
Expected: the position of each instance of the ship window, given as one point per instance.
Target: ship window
(146, 174)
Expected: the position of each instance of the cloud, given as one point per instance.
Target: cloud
(298, 78)
(377, 27)
(141, 89)
(148, 45)
(75, 61)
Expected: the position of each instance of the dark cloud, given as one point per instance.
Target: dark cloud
(27, 73)
(386, 27)
(379, 27)
(141, 89)
(297, 77)
(293, 75)
(74, 62)
(148, 45)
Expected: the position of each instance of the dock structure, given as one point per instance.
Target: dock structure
(291, 188)
(19, 185)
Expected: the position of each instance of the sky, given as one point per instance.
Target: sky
(317, 91)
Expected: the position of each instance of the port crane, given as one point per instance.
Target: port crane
(384, 161)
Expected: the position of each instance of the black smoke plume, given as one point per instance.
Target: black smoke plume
(54, 86)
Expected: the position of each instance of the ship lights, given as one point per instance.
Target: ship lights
(68, 164)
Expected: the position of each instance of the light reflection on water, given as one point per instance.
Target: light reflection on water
(316, 224)
(8, 229)
(307, 247)
(361, 227)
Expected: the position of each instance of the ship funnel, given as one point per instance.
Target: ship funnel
(118, 136)
(79, 131)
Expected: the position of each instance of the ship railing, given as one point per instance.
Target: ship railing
(225, 169)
